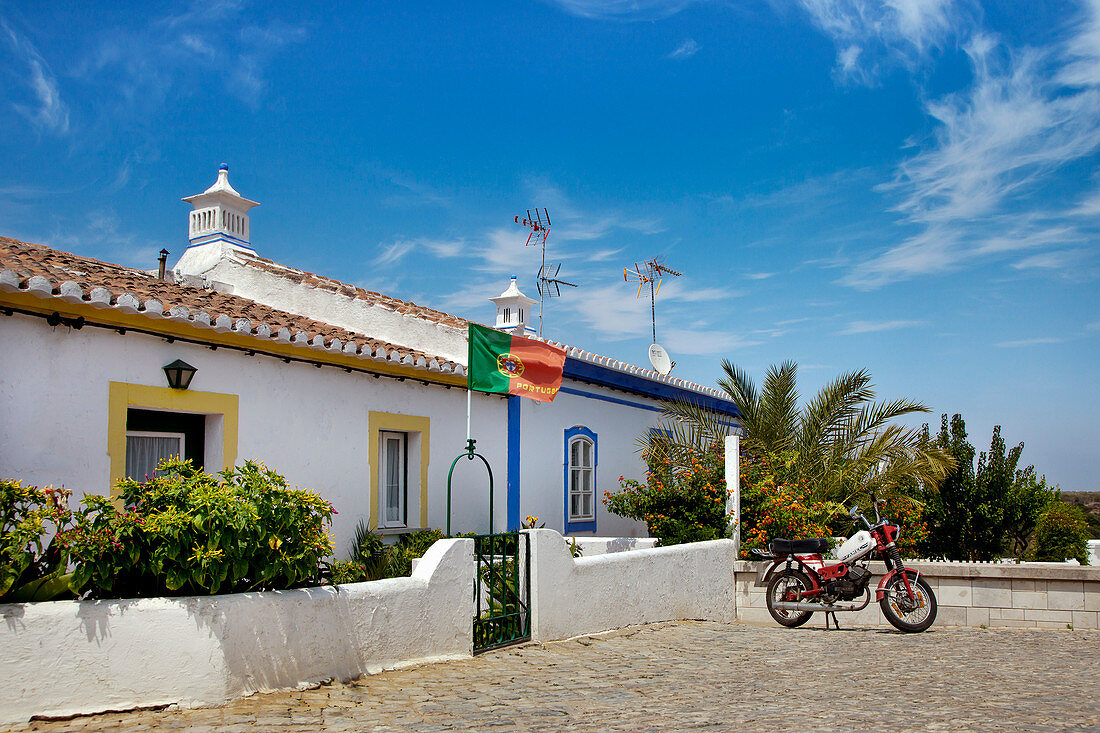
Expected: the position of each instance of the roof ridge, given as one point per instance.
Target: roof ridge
(28, 271)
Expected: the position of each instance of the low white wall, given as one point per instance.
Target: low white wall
(592, 546)
(971, 594)
(67, 657)
(592, 594)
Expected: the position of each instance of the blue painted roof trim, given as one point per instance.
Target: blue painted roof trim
(584, 371)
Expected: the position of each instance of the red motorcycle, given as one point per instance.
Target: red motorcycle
(800, 581)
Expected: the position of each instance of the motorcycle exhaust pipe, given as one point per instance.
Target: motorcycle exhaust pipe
(804, 606)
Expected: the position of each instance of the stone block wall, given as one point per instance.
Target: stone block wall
(1032, 596)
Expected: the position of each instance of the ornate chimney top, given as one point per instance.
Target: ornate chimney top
(220, 214)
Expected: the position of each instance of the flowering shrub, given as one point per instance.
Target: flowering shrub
(189, 532)
(32, 566)
(1061, 534)
(776, 505)
(681, 502)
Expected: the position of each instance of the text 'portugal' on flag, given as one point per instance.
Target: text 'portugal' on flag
(506, 364)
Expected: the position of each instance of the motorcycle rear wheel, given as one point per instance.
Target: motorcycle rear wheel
(909, 615)
(788, 585)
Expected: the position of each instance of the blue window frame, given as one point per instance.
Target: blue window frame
(581, 460)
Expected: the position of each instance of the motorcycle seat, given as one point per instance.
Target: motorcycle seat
(799, 547)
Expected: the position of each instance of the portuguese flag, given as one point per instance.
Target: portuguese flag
(506, 364)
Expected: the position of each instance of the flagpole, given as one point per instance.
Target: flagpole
(467, 415)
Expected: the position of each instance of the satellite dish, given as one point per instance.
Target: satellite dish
(658, 357)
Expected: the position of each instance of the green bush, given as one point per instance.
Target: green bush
(371, 559)
(186, 532)
(1062, 534)
(32, 565)
(681, 501)
(777, 504)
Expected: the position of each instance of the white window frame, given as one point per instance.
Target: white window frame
(384, 480)
(576, 474)
(155, 434)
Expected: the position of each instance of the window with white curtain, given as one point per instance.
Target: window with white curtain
(146, 449)
(393, 478)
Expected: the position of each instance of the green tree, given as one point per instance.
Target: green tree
(844, 443)
(980, 511)
(1061, 534)
(1027, 498)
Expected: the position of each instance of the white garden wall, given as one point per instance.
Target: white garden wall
(68, 657)
(586, 595)
(592, 546)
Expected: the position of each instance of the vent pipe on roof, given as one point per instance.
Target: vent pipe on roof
(161, 262)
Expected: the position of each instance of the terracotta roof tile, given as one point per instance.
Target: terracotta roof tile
(103, 283)
(47, 271)
(326, 283)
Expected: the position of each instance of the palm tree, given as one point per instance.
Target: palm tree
(841, 442)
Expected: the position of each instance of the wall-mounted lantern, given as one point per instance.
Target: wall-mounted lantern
(179, 374)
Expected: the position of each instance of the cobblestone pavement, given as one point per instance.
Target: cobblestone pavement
(695, 675)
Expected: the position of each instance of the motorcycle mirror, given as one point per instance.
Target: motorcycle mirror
(854, 512)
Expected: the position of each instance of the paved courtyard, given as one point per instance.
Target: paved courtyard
(695, 675)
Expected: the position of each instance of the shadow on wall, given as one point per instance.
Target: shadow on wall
(281, 638)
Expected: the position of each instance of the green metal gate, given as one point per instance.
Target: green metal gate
(502, 590)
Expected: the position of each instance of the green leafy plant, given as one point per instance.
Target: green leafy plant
(1061, 534)
(683, 498)
(33, 565)
(188, 532)
(775, 503)
(980, 510)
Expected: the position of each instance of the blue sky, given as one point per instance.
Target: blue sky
(908, 186)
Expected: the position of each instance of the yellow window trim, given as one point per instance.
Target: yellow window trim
(383, 421)
(123, 396)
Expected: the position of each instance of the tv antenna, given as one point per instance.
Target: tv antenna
(653, 275)
(539, 229)
(547, 281)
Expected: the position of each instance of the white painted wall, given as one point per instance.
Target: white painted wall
(592, 546)
(592, 594)
(69, 657)
(543, 426)
(309, 424)
(354, 314)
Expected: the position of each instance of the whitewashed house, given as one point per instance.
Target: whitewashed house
(354, 394)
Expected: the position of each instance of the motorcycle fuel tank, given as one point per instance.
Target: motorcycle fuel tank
(855, 546)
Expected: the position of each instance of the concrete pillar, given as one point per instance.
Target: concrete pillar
(733, 488)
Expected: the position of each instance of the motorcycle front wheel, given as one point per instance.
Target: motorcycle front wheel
(788, 585)
(911, 615)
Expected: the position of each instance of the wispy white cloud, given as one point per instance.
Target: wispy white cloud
(1029, 342)
(685, 50)
(1048, 260)
(43, 108)
(631, 10)
(165, 56)
(975, 190)
(1088, 207)
(393, 252)
(759, 275)
(396, 251)
(857, 327)
(705, 342)
(871, 35)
